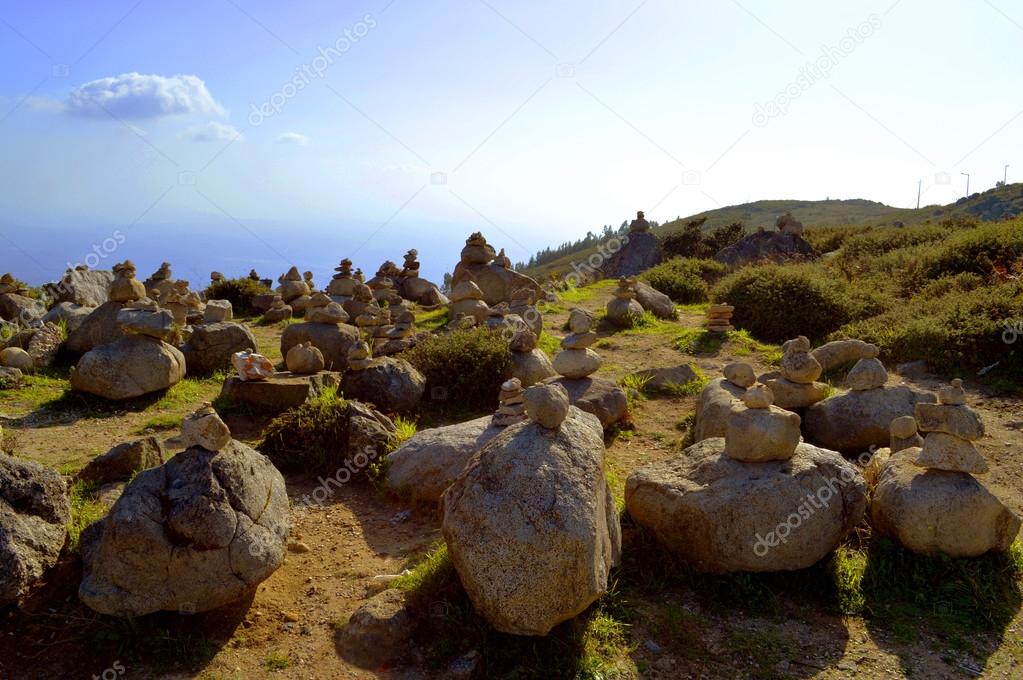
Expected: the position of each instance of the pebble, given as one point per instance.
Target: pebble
(298, 547)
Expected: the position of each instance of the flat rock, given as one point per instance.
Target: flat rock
(723, 515)
(961, 421)
(934, 511)
(598, 396)
(130, 367)
(278, 393)
(14, 307)
(852, 422)
(942, 451)
(838, 353)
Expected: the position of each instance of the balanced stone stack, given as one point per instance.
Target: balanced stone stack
(576, 360)
(304, 359)
(530, 364)
(512, 407)
(185, 304)
(757, 500)
(719, 398)
(928, 499)
(360, 357)
(308, 278)
(467, 299)
(293, 289)
(383, 284)
(623, 311)
(375, 322)
(10, 285)
(322, 309)
(401, 336)
(413, 287)
(905, 433)
(204, 428)
(496, 281)
(502, 260)
(523, 303)
(798, 387)
(787, 224)
(635, 253)
(125, 286)
(719, 318)
(343, 284)
(410, 267)
(160, 283)
(391, 384)
(279, 311)
(461, 321)
(361, 300)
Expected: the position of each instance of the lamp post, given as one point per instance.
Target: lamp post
(967, 183)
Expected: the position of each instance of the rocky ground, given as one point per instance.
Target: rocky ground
(289, 628)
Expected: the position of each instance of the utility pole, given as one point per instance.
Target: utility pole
(919, 183)
(1005, 173)
(967, 183)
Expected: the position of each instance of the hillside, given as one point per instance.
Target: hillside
(994, 204)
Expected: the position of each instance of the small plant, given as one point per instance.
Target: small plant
(635, 386)
(85, 510)
(313, 436)
(239, 292)
(278, 661)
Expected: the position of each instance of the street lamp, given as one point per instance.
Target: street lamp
(967, 183)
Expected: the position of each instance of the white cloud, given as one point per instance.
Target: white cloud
(295, 138)
(213, 132)
(136, 96)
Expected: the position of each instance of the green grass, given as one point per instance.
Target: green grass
(699, 341)
(432, 320)
(85, 510)
(37, 389)
(406, 429)
(634, 387)
(164, 421)
(550, 344)
(278, 661)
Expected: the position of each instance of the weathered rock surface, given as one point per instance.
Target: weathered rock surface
(788, 394)
(128, 368)
(932, 511)
(14, 307)
(668, 379)
(392, 385)
(713, 406)
(598, 396)
(723, 515)
(838, 353)
(45, 344)
(761, 434)
(773, 246)
(279, 392)
(120, 462)
(197, 533)
(532, 367)
(852, 422)
(623, 313)
(576, 363)
(88, 288)
(99, 328)
(72, 314)
(211, 345)
(378, 631)
(531, 525)
(334, 340)
(655, 302)
(497, 282)
(638, 252)
(34, 514)
(432, 459)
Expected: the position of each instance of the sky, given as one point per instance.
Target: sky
(227, 134)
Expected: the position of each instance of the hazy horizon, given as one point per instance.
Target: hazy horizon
(413, 125)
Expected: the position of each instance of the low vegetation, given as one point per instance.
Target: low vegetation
(313, 436)
(685, 280)
(239, 292)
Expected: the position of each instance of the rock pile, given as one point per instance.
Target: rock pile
(278, 311)
(798, 387)
(928, 499)
(530, 364)
(160, 283)
(467, 300)
(719, 398)
(512, 407)
(125, 287)
(719, 317)
(494, 280)
(523, 303)
(294, 290)
(343, 283)
(531, 525)
(384, 285)
(577, 362)
(417, 289)
(576, 359)
(905, 434)
(401, 336)
(757, 500)
(327, 328)
(635, 252)
(622, 310)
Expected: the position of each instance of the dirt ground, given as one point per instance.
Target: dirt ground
(289, 628)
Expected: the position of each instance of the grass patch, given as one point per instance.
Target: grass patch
(278, 661)
(432, 320)
(550, 344)
(699, 341)
(85, 510)
(162, 422)
(313, 436)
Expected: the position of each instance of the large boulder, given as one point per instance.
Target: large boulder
(655, 302)
(531, 367)
(89, 288)
(639, 251)
(497, 282)
(14, 307)
(713, 407)
(72, 314)
(854, 421)
(44, 345)
(936, 511)
(392, 385)
(211, 345)
(425, 465)
(724, 515)
(279, 392)
(598, 396)
(34, 514)
(99, 328)
(197, 533)
(334, 340)
(531, 525)
(128, 368)
(772, 246)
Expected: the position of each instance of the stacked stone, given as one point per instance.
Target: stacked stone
(359, 356)
(216, 276)
(477, 250)
(640, 224)
(383, 284)
(462, 320)
(160, 284)
(576, 359)
(125, 287)
(8, 284)
(304, 359)
(787, 224)
(502, 260)
(204, 428)
(623, 310)
(905, 434)
(950, 428)
(761, 432)
(253, 275)
(343, 284)
(279, 311)
(322, 309)
(183, 303)
(719, 318)
(294, 290)
(401, 336)
(361, 301)
(529, 364)
(513, 404)
(374, 321)
(467, 299)
(410, 269)
(523, 303)
(798, 387)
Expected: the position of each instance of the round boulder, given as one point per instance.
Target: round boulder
(333, 340)
(211, 346)
(854, 421)
(392, 385)
(128, 368)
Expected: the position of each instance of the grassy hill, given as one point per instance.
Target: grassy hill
(994, 204)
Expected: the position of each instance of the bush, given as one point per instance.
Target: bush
(776, 303)
(692, 242)
(311, 437)
(828, 239)
(239, 292)
(995, 248)
(684, 280)
(464, 369)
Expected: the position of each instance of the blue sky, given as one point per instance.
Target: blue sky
(531, 121)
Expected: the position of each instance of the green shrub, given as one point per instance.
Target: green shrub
(464, 369)
(776, 303)
(994, 248)
(828, 239)
(684, 280)
(239, 292)
(311, 437)
(691, 241)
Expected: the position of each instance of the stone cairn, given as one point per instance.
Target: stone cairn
(905, 434)
(279, 311)
(321, 309)
(183, 303)
(383, 285)
(623, 310)
(160, 284)
(866, 374)
(761, 432)
(467, 299)
(512, 408)
(576, 360)
(343, 284)
(719, 317)
(374, 322)
(308, 278)
(254, 275)
(477, 250)
(523, 303)
(410, 268)
(216, 276)
(294, 290)
(401, 336)
(462, 320)
(125, 287)
(950, 428)
(359, 356)
(787, 224)
(305, 359)
(8, 284)
(640, 224)
(798, 387)
(361, 302)
(502, 260)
